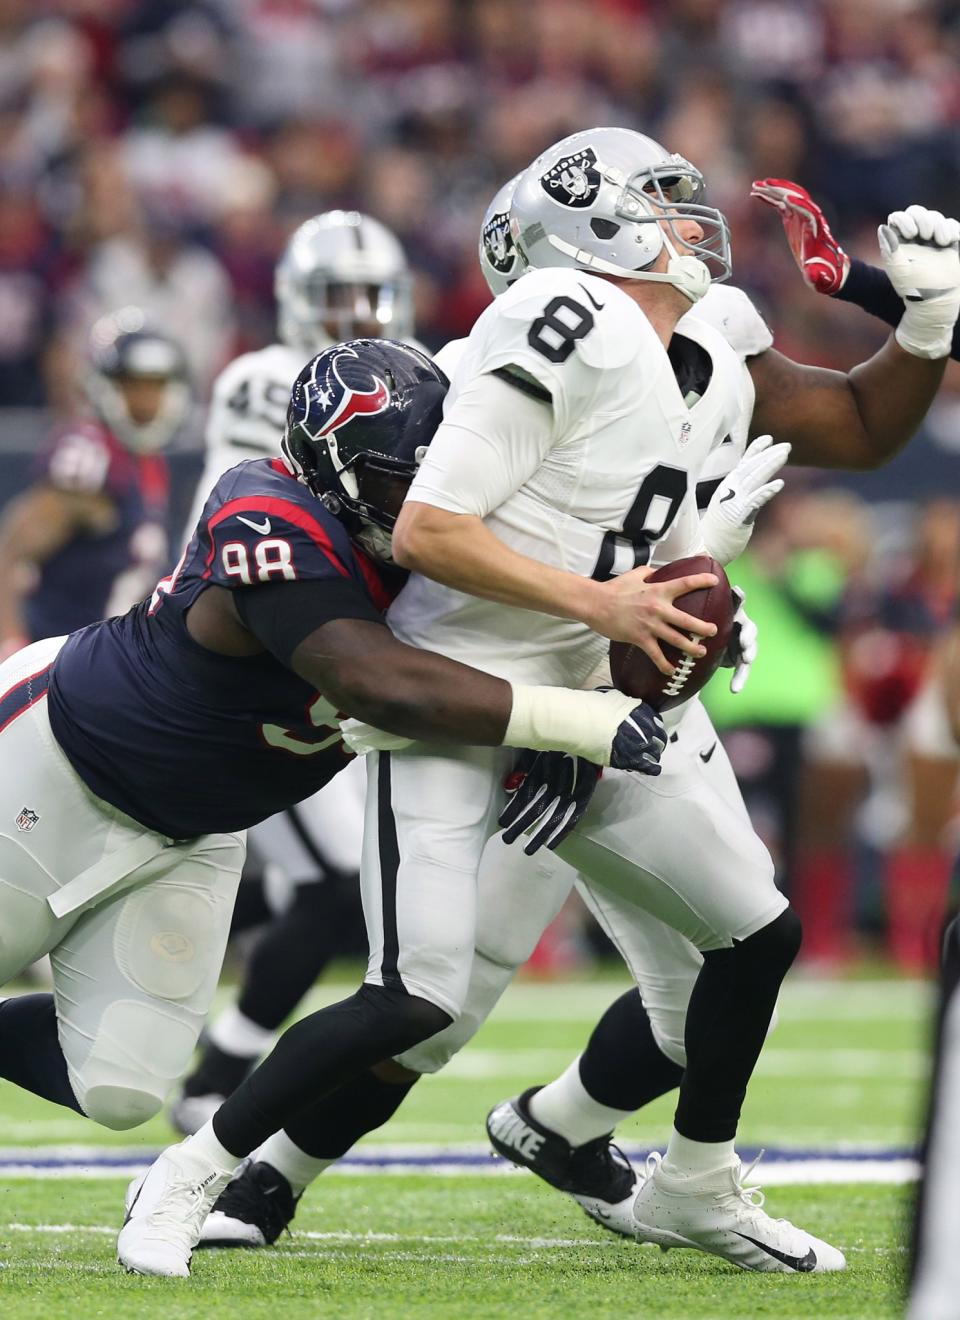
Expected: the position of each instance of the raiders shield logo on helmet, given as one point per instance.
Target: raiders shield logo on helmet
(498, 243)
(574, 180)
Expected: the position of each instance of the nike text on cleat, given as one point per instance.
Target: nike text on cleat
(252, 1210)
(165, 1212)
(597, 1174)
(715, 1213)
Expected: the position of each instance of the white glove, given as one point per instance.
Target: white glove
(920, 255)
(742, 648)
(363, 738)
(727, 523)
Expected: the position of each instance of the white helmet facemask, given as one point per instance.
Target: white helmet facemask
(608, 201)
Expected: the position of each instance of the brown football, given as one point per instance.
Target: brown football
(635, 673)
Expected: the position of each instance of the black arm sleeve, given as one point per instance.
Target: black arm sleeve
(282, 614)
(869, 287)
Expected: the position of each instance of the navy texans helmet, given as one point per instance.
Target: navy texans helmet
(360, 419)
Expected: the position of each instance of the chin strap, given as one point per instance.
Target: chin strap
(687, 273)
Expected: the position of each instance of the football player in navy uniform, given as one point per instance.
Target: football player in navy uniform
(88, 538)
(342, 275)
(136, 751)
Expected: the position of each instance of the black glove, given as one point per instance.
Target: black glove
(549, 790)
(639, 742)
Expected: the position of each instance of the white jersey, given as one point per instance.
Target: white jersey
(729, 310)
(248, 409)
(614, 484)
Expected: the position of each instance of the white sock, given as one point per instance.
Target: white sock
(687, 1158)
(237, 1034)
(287, 1158)
(567, 1107)
(205, 1144)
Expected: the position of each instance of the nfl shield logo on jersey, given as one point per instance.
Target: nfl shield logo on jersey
(26, 820)
(574, 180)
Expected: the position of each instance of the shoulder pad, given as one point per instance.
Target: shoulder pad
(449, 356)
(612, 338)
(730, 311)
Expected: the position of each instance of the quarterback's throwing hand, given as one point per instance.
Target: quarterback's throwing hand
(822, 261)
(919, 249)
(549, 792)
(727, 523)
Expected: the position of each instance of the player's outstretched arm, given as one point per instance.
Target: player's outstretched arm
(861, 418)
(372, 676)
(823, 263)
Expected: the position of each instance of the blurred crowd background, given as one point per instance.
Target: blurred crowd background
(159, 153)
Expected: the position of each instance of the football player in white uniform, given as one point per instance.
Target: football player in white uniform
(637, 1050)
(862, 426)
(342, 275)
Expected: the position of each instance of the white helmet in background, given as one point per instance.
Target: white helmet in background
(342, 275)
(499, 259)
(604, 201)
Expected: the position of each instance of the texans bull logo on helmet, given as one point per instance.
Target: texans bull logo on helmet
(347, 389)
(498, 243)
(574, 180)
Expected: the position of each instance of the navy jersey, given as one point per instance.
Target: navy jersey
(190, 742)
(102, 572)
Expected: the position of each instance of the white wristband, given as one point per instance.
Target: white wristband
(926, 328)
(558, 719)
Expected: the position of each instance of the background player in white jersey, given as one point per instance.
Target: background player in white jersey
(342, 275)
(637, 1051)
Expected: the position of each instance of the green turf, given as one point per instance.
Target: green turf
(846, 1064)
(445, 1248)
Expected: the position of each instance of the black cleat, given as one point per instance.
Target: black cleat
(217, 1075)
(252, 1210)
(597, 1174)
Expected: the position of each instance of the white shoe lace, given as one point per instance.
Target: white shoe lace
(180, 1214)
(752, 1200)
(651, 1165)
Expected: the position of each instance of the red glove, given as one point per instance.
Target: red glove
(822, 261)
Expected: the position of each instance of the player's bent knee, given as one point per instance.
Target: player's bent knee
(776, 945)
(121, 1107)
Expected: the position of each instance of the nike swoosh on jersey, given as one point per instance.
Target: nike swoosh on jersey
(705, 756)
(262, 529)
(729, 496)
(802, 1264)
(593, 302)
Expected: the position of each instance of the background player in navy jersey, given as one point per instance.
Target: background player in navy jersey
(134, 753)
(88, 538)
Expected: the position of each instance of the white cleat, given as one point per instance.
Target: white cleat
(714, 1212)
(166, 1208)
(189, 1113)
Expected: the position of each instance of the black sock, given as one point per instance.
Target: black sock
(727, 1020)
(320, 1053)
(623, 1066)
(30, 1053)
(289, 956)
(327, 1129)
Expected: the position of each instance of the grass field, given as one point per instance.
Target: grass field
(844, 1071)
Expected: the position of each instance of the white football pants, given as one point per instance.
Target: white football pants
(670, 866)
(135, 924)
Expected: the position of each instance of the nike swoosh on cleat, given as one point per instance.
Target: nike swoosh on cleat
(593, 302)
(261, 529)
(802, 1264)
(705, 756)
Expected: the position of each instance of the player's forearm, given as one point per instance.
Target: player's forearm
(893, 391)
(460, 551)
